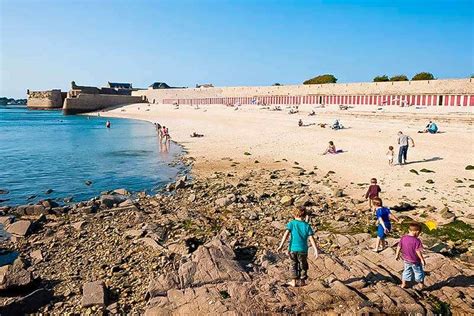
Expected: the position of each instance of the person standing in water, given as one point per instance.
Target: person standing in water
(107, 124)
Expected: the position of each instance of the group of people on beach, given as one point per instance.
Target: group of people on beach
(409, 248)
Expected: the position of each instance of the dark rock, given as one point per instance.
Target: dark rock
(28, 304)
(403, 207)
(49, 191)
(180, 184)
(338, 193)
(110, 200)
(4, 191)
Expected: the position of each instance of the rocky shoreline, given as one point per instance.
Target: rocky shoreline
(207, 246)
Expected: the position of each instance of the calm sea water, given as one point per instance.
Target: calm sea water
(41, 150)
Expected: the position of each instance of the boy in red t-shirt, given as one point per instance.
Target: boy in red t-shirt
(372, 192)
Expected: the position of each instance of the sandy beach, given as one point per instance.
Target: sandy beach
(274, 139)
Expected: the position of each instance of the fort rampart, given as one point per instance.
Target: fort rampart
(452, 92)
(93, 102)
(51, 99)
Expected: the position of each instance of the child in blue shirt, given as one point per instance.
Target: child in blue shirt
(384, 226)
(299, 232)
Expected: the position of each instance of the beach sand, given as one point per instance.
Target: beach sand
(274, 139)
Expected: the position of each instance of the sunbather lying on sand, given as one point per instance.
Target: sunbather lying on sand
(194, 134)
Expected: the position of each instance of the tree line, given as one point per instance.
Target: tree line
(329, 78)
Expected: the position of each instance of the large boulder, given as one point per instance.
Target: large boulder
(14, 276)
(110, 200)
(213, 262)
(19, 228)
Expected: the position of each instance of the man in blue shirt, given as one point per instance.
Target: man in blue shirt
(299, 232)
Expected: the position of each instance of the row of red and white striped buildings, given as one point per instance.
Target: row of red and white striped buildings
(399, 100)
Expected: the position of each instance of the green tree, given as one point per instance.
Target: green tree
(321, 79)
(277, 84)
(423, 76)
(381, 78)
(399, 78)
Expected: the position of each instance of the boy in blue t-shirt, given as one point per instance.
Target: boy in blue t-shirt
(299, 232)
(384, 226)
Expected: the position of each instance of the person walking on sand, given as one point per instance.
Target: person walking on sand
(403, 150)
(299, 232)
(390, 154)
(410, 250)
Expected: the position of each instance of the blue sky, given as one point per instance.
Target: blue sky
(46, 44)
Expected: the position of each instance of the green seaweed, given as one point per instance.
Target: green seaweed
(414, 171)
(469, 167)
(439, 307)
(426, 170)
(456, 230)
(247, 153)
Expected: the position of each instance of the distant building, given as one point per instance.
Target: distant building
(159, 85)
(119, 85)
(205, 85)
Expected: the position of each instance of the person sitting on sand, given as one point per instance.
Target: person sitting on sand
(331, 149)
(312, 113)
(299, 232)
(431, 128)
(300, 123)
(292, 111)
(337, 125)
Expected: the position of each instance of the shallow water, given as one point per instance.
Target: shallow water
(41, 150)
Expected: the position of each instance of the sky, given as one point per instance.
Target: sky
(46, 44)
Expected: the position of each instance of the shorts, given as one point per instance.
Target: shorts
(381, 232)
(411, 270)
(299, 265)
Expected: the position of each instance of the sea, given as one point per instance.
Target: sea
(45, 154)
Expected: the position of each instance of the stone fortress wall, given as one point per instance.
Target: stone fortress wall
(80, 99)
(93, 102)
(452, 92)
(50, 99)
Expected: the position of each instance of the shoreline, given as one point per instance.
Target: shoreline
(136, 249)
(210, 242)
(452, 186)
